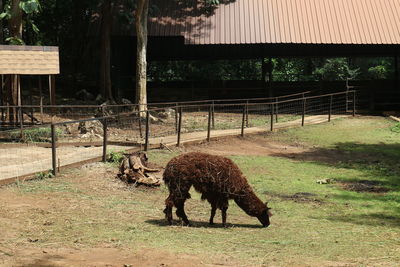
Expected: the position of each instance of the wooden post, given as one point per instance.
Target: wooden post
(21, 115)
(1, 97)
(21, 121)
(52, 90)
(41, 99)
(276, 109)
(105, 137)
(176, 117)
(31, 100)
(330, 107)
(304, 112)
(272, 117)
(53, 150)
(354, 103)
(209, 123)
(247, 113)
(243, 119)
(179, 127)
(213, 114)
(146, 144)
(396, 71)
(140, 124)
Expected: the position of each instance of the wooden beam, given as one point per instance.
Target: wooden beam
(396, 71)
(52, 89)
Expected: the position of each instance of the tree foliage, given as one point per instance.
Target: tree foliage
(30, 9)
(74, 27)
(336, 69)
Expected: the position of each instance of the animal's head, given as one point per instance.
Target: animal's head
(264, 216)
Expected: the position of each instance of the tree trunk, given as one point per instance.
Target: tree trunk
(105, 50)
(15, 28)
(16, 20)
(141, 61)
(1, 24)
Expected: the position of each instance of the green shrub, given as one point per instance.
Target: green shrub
(396, 128)
(44, 175)
(36, 134)
(115, 157)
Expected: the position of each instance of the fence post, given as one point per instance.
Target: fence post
(304, 112)
(330, 107)
(21, 121)
(354, 103)
(140, 124)
(176, 117)
(179, 127)
(41, 109)
(146, 144)
(213, 114)
(276, 109)
(243, 119)
(272, 116)
(105, 137)
(53, 150)
(247, 113)
(209, 123)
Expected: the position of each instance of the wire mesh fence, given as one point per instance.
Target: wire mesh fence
(64, 142)
(12, 117)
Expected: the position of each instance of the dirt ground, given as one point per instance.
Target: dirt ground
(256, 145)
(252, 145)
(101, 257)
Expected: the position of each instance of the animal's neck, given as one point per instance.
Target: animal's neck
(250, 203)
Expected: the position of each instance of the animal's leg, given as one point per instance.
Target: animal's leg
(180, 210)
(169, 203)
(224, 207)
(213, 210)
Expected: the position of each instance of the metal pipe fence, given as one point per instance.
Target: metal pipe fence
(51, 146)
(12, 117)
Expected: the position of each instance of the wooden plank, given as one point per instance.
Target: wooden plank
(29, 62)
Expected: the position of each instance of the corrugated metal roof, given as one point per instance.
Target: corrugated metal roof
(280, 22)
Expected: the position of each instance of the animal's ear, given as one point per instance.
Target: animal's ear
(266, 203)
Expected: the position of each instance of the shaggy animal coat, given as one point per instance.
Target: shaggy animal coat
(217, 178)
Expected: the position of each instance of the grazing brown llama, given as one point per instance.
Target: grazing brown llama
(218, 179)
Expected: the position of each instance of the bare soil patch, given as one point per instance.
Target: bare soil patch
(301, 197)
(253, 146)
(99, 257)
(364, 186)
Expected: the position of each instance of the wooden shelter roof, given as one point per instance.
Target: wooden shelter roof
(29, 60)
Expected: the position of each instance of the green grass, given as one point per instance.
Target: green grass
(396, 128)
(333, 227)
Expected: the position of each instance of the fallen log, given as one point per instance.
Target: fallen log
(134, 170)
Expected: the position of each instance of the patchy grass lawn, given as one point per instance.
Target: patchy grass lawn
(353, 220)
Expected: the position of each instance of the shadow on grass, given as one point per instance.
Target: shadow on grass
(374, 219)
(376, 183)
(201, 224)
(375, 160)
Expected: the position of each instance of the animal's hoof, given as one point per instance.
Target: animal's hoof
(211, 223)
